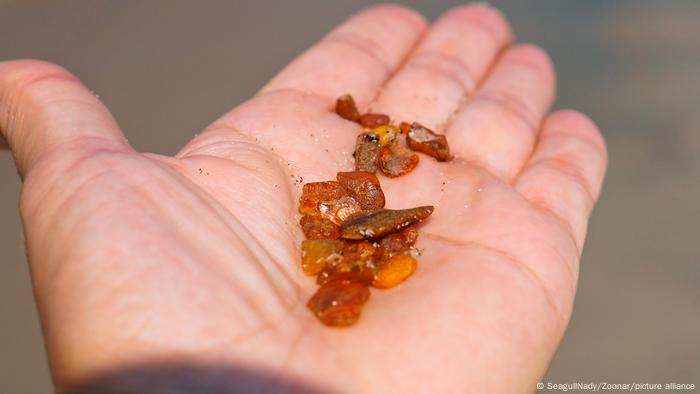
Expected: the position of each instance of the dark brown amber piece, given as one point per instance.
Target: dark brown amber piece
(372, 224)
(363, 187)
(367, 153)
(395, 160)
(317, 253)
(318, 227)
(327, 199)
(399, 241)
(346, 108)
(370, 121)
(422, 139)
(339, 303)
(394, 271)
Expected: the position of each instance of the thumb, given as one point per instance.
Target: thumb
(46, 112)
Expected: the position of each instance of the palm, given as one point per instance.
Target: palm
(198, 254)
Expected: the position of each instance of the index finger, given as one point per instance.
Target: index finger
(357, 57)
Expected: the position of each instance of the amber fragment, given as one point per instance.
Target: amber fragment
(317, 253)
(328, 200)
(395, 160)
(318, 227)
(346, 108)
(363, 187)
(314, 194)
(367, 153)
(359, 262)
(394, 271)
(339, 303)
(370, 121)
(387, 134)
(372, 224)
(422, 139)
(404, 127)
(399, 241)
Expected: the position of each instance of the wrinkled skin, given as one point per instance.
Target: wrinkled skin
(137, 257)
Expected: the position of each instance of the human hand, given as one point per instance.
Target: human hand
(141, 259)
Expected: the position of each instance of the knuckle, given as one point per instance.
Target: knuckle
(532, 56)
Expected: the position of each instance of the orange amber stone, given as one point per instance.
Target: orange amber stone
(394, 271)
(316, 193)
(363, 187)
(339, 303)
(358, 264)
(404, 127)
(317, 253)
(328, 200)
(370, 121)
(395, 160)
(318, 227)
(346, 108)
(422, 139)
(387, 134)
(399, 241)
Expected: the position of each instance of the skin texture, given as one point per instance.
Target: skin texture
(140, 258)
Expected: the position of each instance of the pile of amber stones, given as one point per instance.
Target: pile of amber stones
(353, 242)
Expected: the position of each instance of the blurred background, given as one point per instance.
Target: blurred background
(166, 68)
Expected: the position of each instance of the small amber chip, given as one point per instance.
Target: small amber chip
(346, 108)
(395, 160)
(387, 134)
(404, 127)
(422, 139)
(394, 271)
(370, 121)
(358, 264)
(372, 224)
(329, 200)
(317, 253)
(316, 193)
(318, 227)
(399, 241)
(367, 153)
(339, 303)
(363, 187)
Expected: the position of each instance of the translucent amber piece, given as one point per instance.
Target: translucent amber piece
(387, 134)
(346, 108)
(404, 127)
(395, 160)
(363, 187)
(358, 264)
(317, 253)
(370, 121)
(399, 241)
(394, 271)
(372, 224)
(422, 139)
(367, 153)
(339, 303)
(316, 193)
(318, 227)
(329, 200)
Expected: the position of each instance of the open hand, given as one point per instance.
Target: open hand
(141, 259)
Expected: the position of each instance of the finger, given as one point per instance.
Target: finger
(565, 173)
(498, 128)
(44, 109)
(446, 67)
(357, 57)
